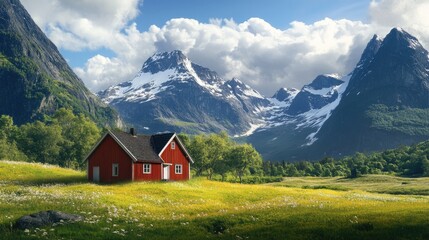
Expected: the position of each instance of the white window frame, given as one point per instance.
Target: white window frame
(115, 166)
(173, 145)
(149, 167)
(178, 167)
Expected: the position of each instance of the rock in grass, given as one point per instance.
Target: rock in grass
(45, 218)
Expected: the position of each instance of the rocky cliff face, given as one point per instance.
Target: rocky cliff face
(383, 103)
(387, 101)
(34, 77)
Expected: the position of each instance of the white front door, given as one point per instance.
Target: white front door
(166, 174)
(96, 174)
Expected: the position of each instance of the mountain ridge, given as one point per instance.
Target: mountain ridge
(294, 124)
(179, 95)
(395, 81)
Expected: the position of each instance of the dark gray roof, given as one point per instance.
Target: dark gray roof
(142, 146)
(160, 140)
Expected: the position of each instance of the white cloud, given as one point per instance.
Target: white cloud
(411, 15)
(261, 55)
(79, 24)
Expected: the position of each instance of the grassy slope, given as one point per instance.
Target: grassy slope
(196, 209)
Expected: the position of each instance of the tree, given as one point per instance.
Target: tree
(354, 173)
(217, 146)
(291, 171)
(40, 142)
(8, 148)
(197, 149)
(78, 133)
(9, 151)
(7, 128)
(318, 169)
(243, 157)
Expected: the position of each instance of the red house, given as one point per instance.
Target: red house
(121, 156)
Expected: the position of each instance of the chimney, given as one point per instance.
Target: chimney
(132, 131)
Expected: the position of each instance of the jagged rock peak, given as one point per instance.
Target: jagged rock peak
(240, 87)
(370, 50)
(285, 93)
(235, 82)
(325, 81)
(164, 60)
(398, 37)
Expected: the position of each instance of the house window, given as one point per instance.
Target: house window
(178, 169)
(146, 168)
(115, 170)
(173, 145)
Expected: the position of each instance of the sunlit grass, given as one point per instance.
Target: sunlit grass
(371, 183)
(202, 209)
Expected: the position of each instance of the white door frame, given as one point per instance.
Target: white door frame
(96, 174)
(166, 172)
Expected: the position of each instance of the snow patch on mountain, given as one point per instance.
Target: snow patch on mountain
(321, 92)
(143, 87)
(214, 89)
(317, 117)
(253, 128)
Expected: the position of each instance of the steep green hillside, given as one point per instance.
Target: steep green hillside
(201, 209)
(34, 78)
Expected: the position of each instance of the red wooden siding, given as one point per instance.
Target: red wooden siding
(107, 153)
(155, 173)
(176, 156)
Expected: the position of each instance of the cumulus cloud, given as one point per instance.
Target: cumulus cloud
(411, 15)
(79, 24)
(261, 55)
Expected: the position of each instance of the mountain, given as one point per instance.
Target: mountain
(291, 124)
(171, 93)
(381, 104)
(34, 77)
(315, 95)
(386, 103)
(285, 94)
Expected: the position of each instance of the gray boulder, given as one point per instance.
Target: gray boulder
(45, 218)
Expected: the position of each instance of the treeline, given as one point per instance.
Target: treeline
(404, 161)
(63, 139)
(217, 155)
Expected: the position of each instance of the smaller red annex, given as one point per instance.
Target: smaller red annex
(122, 156)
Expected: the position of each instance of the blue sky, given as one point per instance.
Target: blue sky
(279, 13)
(267, 44)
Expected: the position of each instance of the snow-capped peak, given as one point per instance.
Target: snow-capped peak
(240, 88)
(163, 70)
(285, 94)
(164, 60)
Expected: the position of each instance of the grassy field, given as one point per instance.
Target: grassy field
(370, 183)
(298, 208)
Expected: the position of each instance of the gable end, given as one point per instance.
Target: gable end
(116, 140)
(181, 146)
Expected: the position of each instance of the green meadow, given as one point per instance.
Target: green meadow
(371, 207)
